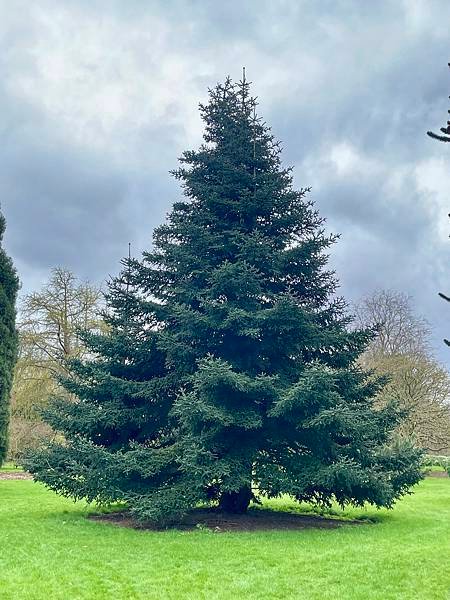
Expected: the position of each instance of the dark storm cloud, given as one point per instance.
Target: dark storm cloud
(57, 199)
(63, 203)
(99, 98)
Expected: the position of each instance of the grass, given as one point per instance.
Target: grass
(50, 550)
(434, 468)
(10, 468)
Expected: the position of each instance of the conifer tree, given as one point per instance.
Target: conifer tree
(445, 130)
(118, 443)
(230, 364)
(8, 338)
(443, 138)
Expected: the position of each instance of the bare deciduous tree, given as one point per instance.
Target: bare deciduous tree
(400, 331)
(51, 318)
(416, 380)
(422, 388)
(49, 322)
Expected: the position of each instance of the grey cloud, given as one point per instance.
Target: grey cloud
(371, 76)
(62, 202)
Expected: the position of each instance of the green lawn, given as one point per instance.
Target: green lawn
(49, 550)
(10, 468)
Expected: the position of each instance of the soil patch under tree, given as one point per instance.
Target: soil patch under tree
(253, 520)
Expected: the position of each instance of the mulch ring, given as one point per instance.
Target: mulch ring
(216, 521)
(9, 475)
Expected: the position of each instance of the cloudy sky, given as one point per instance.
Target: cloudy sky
(99, 98)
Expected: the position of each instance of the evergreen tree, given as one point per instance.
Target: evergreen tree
(230, 363)
(445, 130)
(8, 338)
(443, 138)
(118, 443)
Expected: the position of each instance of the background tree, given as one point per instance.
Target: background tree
(401, 351)
(398, 329)
(445, 130)
(51, 319)
(8, 338)
(49, 324)
(443, 138)
(229, 362)
(32, 388)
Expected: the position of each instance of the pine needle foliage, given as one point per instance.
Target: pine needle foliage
(229, 370)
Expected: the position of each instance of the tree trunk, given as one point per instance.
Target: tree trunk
(236, 502)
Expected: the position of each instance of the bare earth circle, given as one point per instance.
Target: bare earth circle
(254, 520)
